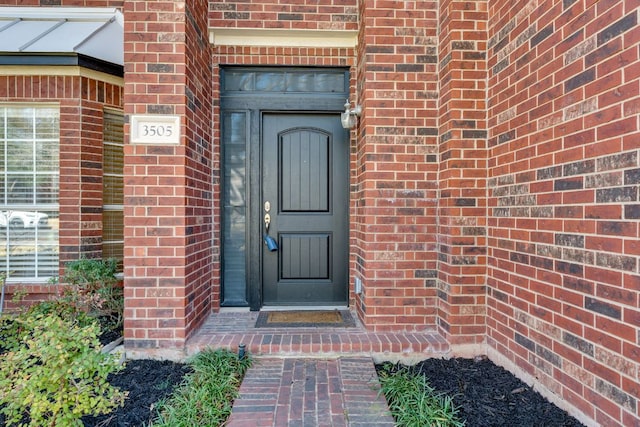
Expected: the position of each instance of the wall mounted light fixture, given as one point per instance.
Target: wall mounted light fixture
(349, 117)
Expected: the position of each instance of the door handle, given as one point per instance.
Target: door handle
(269, 241)
(267, 221)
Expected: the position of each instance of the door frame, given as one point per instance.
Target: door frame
(256, 104)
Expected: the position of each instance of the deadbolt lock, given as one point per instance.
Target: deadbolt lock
(267, 206)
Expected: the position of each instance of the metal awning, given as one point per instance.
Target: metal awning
(96, 33)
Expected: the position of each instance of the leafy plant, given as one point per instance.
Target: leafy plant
(92, 287)
(206, 396)
(53, 372)
(413, 402)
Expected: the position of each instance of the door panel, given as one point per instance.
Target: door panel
(304, 161)
(305, 256)
(305, 180)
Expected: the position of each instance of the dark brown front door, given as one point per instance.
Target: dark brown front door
(304, 174)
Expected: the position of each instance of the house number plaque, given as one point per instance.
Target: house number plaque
(155, 129)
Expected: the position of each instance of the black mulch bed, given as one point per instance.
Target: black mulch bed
(109, 336)
(487, 395)
(147, 382)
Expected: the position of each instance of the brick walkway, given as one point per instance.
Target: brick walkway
(311, 392)
(312, 376)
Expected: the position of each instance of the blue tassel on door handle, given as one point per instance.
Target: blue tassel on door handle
(271, 243)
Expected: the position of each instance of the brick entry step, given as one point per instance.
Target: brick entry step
(230, 329)
(311, 392)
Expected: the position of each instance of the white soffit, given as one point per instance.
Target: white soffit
(94, 32)
(282, 37)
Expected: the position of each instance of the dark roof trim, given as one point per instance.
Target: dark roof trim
(62, 59)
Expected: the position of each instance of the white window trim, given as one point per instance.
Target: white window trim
(43, 206)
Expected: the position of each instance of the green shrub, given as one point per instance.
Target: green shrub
(413, 402)
(92, 287)
(53, 372)
(206, 396)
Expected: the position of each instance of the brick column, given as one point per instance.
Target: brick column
(69, 194)
(395, 182)
(462, 175)
(168, 188)
(80, 195)
(91, 173)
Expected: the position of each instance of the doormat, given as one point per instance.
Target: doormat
(305, 319)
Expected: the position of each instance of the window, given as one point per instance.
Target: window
(235, 207)
(29, 183)
(113, 183)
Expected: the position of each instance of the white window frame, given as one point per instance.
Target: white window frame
(9, 209)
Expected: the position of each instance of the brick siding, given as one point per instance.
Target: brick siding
(65, 3)
(462, 125)
(169, 265)
(563, 199)
(395, 177)
(274, 14)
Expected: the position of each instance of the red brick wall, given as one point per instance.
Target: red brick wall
(303, 15)
(168, 188)
(82, 101)
(66, 3)
(395, 176)
(462, 136)
(563, 229)
(204, 269)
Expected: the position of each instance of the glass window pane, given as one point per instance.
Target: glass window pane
(47, 260)
(235, 174)
(330, 82)
(238, 81)
(270, 82)
(113, 190)
(20, 189)
(47, 156)
(300, 82)
(235, 128)
(113, 225)
(19, 123)
(20, 156)
(316, 82)
(47, 187)
(234, 256)
(113, 128)
(234, 193)
(113, 159)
